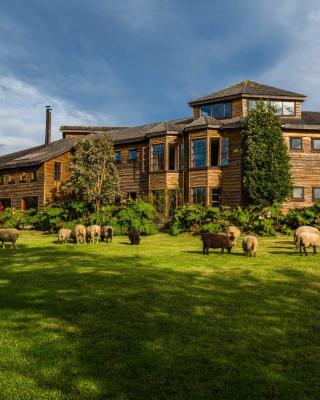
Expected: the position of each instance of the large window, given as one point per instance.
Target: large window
(198, 153)
(182, 156)
(157, 157)
(224, 152)
(218, 110)
(316, 194)
(282, 107)
(214, 152)
(198, 195)
(298, 193)
(215, 197)
(296, 143)
(57, 171)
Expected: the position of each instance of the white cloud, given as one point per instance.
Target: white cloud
(22, 115)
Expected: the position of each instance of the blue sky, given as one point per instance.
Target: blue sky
(128, 62)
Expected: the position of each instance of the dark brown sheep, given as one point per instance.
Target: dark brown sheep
(134, 236)
(107, 232)
(215, 241)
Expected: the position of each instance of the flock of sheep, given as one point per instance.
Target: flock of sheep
(93, 234)
(304, 237)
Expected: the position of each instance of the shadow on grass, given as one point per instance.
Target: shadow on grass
(121, 328)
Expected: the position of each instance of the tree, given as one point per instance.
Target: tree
(94, 177)
(265, 158)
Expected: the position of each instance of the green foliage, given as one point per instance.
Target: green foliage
(139, 215)
(12, 218)
(94, 177)
(265, 158)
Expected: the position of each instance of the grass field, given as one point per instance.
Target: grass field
(158, 321)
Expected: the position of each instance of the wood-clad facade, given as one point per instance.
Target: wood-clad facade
(197, 158)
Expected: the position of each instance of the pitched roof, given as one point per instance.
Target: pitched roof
(164, 127)
(204, 120)
(36, 155)
(248, 89)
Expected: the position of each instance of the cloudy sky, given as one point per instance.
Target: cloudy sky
(127, 62)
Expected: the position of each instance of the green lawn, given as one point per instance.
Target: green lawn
(158, 321)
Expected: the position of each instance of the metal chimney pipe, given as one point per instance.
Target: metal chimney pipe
(48, 125)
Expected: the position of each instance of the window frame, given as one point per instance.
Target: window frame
(272, 101)
(192, 160)
(312, 145)
(298, 198)
(293, 148)
(11, 179)
(23, 177)
(33, 176)
(313, 196)
(211, 105)
(160, 161)
(115, 159)
(129, 154)
(211, 196)
(198, 188)
(6, 198)
(57, 175)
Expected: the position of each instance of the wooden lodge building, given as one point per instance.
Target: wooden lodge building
(197, 157)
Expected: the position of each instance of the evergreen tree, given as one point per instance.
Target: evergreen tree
(94, 177)
(265, 158)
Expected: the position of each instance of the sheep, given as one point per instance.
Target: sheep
(9, 235)
(300, 229)
(64, 235)
(134, 236)
(93, 233)
(308, 239)
(233, 233)
(107, 232)
(216, 241)
(80, 233)
(250, 245)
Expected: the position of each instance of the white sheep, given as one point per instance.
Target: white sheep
(80, 233)
(300, 229)
(64, 235)
(308, 239)
(233, 233)
(250, 245)
(93, 233)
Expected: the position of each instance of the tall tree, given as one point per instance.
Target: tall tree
(94, 177)
(265, 157)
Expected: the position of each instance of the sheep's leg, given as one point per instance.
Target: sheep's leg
(3, 245)
(222, 250)
(305, 251)
(204, 249)
(314, 250)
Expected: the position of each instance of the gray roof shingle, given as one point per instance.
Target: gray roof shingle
(247, 89)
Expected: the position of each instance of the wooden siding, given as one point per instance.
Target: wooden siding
(237, 108)
(133, 174)
(231, 193)
(51, 184)
(305, 168)
(18, 190)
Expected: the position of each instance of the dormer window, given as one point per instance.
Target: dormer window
(282, 107)
(217, 110)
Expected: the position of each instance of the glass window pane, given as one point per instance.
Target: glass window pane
(227, 110)
(278, 106)
(198, 155)
(296, 143)
(316, 193)
(316, 144)
(297, 193)
(133, 154)
(252, 104)
(206, 109)
(218, 110)
(117, 155)
(224, 152)
(157, 157)
(198, 196)
(288, 108)
(215, 197)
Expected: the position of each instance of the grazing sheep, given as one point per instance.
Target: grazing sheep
(93, 233)
(134, 236)
(308, 239)
(304, 228)
(233, 233)
(107, 232)
(9, 235)
(250, 245)
(80, 233)
(216, 241)
(64, 235)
